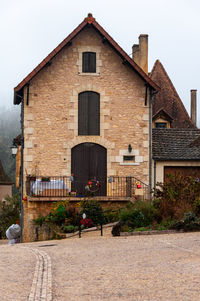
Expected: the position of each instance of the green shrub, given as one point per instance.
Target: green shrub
(40, 220)
(9, 213)
(148, 210)
(93, 210)
(190, 222)
(69, 228)
(132, 217)
(110, 216)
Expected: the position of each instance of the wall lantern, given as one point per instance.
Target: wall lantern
(129, 148)
(14, 150)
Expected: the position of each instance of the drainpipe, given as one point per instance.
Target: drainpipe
(151, 95)
(154, 174)
(22, 171)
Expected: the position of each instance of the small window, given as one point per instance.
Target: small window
(129, 159)
(89, 62)
(161, 125)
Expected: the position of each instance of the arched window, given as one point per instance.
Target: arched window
(89, 62)
(89, 113)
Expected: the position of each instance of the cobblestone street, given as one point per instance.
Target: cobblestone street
(154, 268)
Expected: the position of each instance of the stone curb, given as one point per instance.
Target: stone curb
(152, 232)
(41, 289)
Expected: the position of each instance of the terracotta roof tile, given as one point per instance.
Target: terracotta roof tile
(168, 99)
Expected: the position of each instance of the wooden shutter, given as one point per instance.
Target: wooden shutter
(83, 114)
(94, 114)
(89, 113)
(89, 62)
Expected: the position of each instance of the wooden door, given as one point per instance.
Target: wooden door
(89, 162)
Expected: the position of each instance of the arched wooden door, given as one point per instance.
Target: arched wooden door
(88, 162)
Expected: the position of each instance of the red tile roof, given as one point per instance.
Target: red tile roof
(103, 33)
(168, 99)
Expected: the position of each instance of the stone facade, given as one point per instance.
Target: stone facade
(51, 116)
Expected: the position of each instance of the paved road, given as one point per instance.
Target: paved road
(153, 268)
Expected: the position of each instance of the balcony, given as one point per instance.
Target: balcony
(112, 187)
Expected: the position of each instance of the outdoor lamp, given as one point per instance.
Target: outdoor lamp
(14, 150)
(129, 148)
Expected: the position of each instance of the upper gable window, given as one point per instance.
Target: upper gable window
(161, 125)
(89, 62)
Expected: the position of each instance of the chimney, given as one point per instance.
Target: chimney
(140, 52)
(193, 106)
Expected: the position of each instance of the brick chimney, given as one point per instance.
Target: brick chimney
(193, 106)
(140, 52)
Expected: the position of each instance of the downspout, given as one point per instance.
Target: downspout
(154, 174)
(150, 140)
(22, 171)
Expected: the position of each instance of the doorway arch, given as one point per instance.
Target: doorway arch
(89, 162)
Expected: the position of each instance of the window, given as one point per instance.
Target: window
(89, 113)
(89, 62)
(161, 125)
(129, 159)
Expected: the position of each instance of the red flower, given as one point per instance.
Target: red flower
(87, 222)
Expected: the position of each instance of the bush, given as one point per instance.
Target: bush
(132, 217)
(111, 216)
(69, 228)
(147, 209)
(176, 196)
(9, 213)
(190, 222)
(93, 210)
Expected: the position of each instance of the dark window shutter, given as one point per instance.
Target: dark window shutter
(83, 114)
(89, 62)
(94, 114)
(89, 113)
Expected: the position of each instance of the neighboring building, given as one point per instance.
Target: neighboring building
(175, 135)
(176, 151)
(5, 184)
(85, 117)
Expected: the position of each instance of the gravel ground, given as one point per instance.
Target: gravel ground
(17, 266)
(153, 268)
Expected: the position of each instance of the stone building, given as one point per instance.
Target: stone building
(85, 120)
(87, 123)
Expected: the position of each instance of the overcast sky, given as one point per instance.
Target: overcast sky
(31, 29)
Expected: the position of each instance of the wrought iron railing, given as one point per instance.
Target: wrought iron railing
(112, 186)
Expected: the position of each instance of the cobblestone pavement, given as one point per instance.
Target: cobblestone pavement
(153, 268)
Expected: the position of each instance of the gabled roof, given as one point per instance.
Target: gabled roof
(162, 112)
(169, 99)
(89, 21)
(176, 144)
(4, 179)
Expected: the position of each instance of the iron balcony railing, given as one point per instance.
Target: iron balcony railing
(112, 186)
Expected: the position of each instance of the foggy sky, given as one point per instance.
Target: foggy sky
(31, 29)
